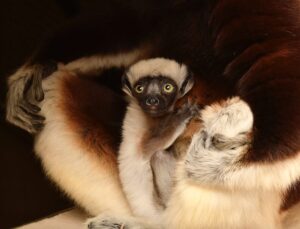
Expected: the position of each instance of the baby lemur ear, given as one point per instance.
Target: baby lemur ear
(187, 84)
(126, 86)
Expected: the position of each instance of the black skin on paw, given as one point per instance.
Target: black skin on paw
(33, 94)
(188, 110)
(105, 224)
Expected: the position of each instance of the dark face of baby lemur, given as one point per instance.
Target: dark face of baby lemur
(156, 95)
(156, 84)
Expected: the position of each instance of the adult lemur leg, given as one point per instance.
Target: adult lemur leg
(215, 186)
(76, 147)
(226, 142)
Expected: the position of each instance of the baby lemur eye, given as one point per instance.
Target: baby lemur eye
(139, 88)
(168, 87)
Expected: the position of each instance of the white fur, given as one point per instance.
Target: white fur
(195, 206)
(230, 119)
(156, 67)
(83, 175)
(135, 168)
(164, 166)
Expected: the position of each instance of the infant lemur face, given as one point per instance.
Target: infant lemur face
(156, 84)
(156, 95)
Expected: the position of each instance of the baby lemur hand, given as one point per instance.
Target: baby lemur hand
(165, 131)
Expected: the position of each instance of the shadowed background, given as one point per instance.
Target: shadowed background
(26, 194)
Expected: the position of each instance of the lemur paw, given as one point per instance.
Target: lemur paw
(227, 125)
(188, 110)
(104, 221)
(220, 145)
(24, 95)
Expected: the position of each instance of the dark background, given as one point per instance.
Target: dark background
(25, 192)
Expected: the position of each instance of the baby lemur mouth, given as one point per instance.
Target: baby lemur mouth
(156, 113)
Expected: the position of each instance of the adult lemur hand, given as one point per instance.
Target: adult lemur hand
(24, 95)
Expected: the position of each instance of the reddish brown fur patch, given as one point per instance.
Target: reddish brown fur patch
(205, 92)
(94, 113)
(291, 197)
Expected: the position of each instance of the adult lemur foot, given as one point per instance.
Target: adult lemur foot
(24, 95)
(104, 221)
(221, 143)
(226, 125)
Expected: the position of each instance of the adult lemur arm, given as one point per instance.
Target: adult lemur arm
(85, 45)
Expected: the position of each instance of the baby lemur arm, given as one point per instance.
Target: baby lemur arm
(165, 131)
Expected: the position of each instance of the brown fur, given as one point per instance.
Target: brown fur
(83, 103)
(291, 197)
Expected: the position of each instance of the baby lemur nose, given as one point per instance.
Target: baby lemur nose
(152, 101)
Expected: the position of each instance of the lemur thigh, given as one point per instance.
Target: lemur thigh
(76, 149)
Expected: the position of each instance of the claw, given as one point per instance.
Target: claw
(24, 125)
(37, 89)
(29, 108)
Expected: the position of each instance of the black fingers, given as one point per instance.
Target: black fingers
(23, 106)
(36, 88)
(221, 142)
(32, 112)
(47, 68)
(188, 110)
(105, 224)
(30, 127)
(28, 114)
(33, 87)
(32, 95)
(33, 90)
(28, 107)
